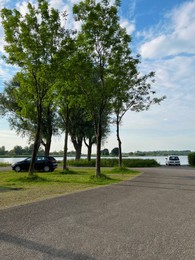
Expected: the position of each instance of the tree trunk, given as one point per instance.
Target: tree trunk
(89, 148)
(98, 153)
(78, 147)
(47, 146)
(89, 151)
(37, 140)
(66, 123)
(65, 151)
(119, 143)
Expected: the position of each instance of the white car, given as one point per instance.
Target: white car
(173, 160)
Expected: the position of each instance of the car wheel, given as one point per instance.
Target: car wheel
(17, 169)
(46, 168)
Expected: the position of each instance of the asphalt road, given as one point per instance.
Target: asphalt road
(151, 217)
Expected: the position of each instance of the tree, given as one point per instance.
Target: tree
(2, 150)
(115, 151)
(26, 124)
(63, 124)
(105, 152)
(32, 41)
(138, 96)
(18, 150)
(96, 46)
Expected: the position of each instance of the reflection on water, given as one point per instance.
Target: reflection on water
(159, 159)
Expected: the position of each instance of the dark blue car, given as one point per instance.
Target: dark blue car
(42, 163)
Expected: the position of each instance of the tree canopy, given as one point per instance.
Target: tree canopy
(72, 82)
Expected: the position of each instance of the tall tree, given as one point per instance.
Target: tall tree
(134, 91)
(64, 96)
(96, 45)
(138, 97)
(32, 41)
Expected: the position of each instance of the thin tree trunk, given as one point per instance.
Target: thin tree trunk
(37, 140)
(119, 144)
(65, 151)
(89, 148)
(98, 153)
(66, 122)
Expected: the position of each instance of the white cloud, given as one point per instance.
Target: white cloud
(130, 27)
(169, 51)
(57, 4)
(178, 37)
(22, 7)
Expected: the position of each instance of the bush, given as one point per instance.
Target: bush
(191, 159)
(114, 163)
(140, 163)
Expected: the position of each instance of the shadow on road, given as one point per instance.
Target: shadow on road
(44, 249)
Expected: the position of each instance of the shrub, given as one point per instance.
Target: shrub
(191, 159)
(114, 163)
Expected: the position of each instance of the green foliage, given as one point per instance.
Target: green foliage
(114, 163)
(191, 159)
(82, 163)
(32, 42)
(159, 153)
(115, 151)
(2, 150)
(105, 152)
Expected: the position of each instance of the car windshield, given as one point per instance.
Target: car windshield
(174, 158)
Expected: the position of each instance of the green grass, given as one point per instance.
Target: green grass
(4, 164)
(18, 188)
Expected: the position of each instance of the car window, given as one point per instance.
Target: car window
(174, 158)
(40, 158)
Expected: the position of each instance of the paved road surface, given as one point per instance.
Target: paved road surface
(151, 217)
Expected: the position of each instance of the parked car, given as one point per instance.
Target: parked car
(173, 160)
(42, 163)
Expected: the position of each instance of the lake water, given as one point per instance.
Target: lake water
(160, 159)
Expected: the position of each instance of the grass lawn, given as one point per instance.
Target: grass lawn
(18, 188)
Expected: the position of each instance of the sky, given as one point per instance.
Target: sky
(163, 34)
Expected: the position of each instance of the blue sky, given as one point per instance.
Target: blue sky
(163, 33)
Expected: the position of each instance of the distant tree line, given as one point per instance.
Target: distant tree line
(27, 150)
(115, 152)
(160, 153)
(76, 83)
